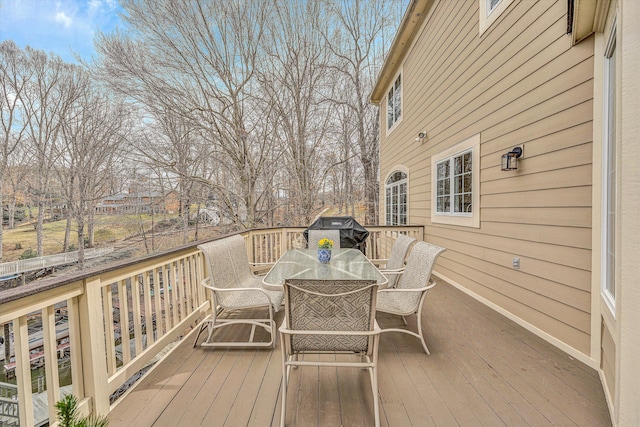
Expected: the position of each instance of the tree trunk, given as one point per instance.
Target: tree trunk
(91, 227)
(11, 211)
(67, 232)
(80, 220)
(40, 228)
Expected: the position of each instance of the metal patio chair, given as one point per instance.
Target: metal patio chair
(330, 317)
(394, 266)
(411, 290)
(234, 288)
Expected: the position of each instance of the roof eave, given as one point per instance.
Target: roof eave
(413, 17)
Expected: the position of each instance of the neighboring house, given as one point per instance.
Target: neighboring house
(143, 202)
(555, 244)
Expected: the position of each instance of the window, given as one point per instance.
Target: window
(456, 184)
(609, 174)
(394, 103)
(492, 5)
(396, 198)
(490, 10)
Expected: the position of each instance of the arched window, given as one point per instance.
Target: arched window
(396, 198)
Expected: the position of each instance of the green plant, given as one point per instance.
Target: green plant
(325, 243)
(29, 253)
(67, 411)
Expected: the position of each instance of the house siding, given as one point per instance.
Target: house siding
(608, 361)
(521, 82)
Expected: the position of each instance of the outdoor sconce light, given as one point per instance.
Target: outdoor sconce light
(510, 159)
(421, 136)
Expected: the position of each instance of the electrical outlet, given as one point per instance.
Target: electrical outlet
(516, 263)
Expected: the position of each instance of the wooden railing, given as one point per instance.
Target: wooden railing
(121, 317)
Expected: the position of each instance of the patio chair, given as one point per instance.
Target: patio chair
(330, 317)
(234, 288)
(315, 235)
(394, 266)
(411, 290)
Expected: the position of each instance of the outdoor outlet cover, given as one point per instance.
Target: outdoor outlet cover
(516, 263)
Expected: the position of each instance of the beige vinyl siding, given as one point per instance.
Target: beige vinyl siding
(520, 83)
(608, 362)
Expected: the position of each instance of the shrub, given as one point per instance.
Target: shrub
(29, 253)
(67, 411)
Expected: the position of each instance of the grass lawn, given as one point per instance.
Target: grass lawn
(109, 229)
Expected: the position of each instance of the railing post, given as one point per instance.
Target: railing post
(92, 339)
(23, 370)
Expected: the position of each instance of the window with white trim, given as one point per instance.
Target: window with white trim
(456, 184)
(396, 198)
(454, 189)
(609, 174)
(394, 102)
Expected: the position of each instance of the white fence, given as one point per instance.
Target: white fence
(25, 265)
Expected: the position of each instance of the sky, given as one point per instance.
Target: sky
(57, 26)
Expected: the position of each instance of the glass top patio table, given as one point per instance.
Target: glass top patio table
(303, 264)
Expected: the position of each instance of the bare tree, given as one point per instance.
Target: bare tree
(14, 182)
(196, 59)
(296, 81)
(47, 98)
(15, 75)
(94, 128)
(173, 144)
(356, 40)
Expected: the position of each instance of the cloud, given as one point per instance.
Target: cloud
(62, 18)
(58, 26)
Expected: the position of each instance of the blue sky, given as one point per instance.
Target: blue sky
(57, 26)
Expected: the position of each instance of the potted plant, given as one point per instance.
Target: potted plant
(324, 250)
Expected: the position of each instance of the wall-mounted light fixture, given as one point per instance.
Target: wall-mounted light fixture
(510, 159)
(421, 136)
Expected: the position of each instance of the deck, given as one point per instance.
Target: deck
(484, 370)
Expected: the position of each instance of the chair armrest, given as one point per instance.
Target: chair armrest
(260, 268)
(206, 284)
(376, 330)
(397, 271)
(379, 261)
(422, 289)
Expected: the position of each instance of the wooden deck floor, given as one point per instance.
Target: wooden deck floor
(484, 370)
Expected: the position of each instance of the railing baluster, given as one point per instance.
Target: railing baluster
(136, 313)
(148, 310)
(157, 299)
(51, 358)
(75, 350)
(107, 309)
(123, 304)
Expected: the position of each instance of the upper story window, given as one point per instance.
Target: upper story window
(396, 198)
(490, 10)
(394, 102)
(456, 184)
